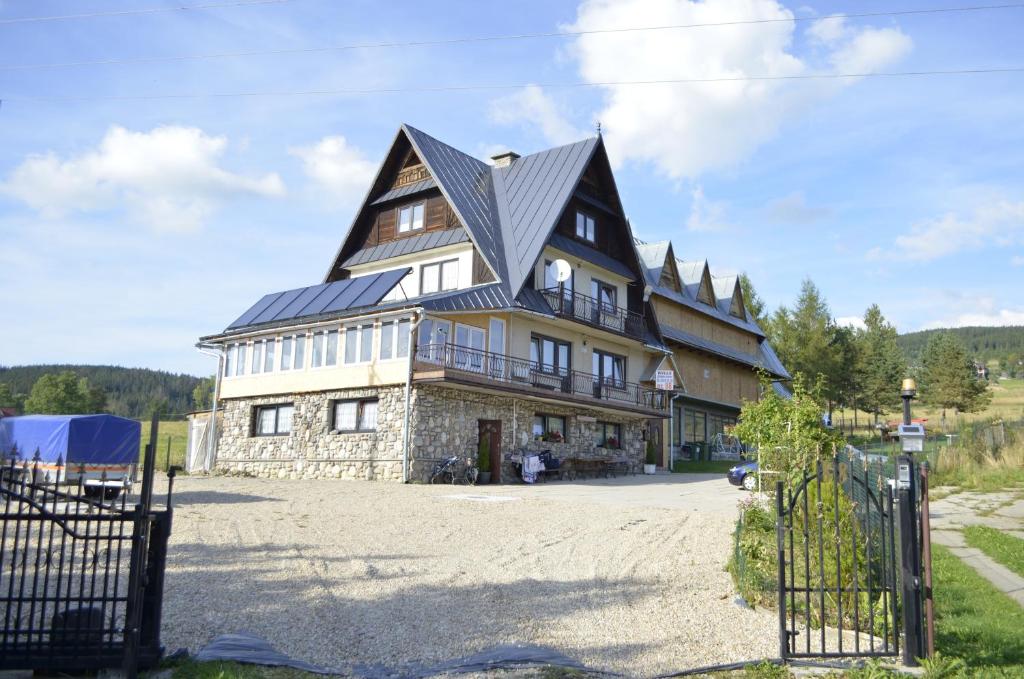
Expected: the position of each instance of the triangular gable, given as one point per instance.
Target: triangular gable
(729, 296)
(463, 181)
(670, 277)
(652, 256)
(531, 194)
(706, 291)
(738, 307)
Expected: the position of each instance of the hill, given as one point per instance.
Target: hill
(130, 391)
(984, 343)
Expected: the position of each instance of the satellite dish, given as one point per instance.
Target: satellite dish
(561, 270)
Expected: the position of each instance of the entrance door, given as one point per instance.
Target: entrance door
(491, 430)
(654, 436)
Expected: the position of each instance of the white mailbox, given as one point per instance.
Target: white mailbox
(912, 438)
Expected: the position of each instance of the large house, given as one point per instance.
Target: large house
(506, 301)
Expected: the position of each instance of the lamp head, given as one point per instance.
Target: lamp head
(909, 389)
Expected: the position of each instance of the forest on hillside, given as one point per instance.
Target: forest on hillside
(1001, 344)
(130, 392)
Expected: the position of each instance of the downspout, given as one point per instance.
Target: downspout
(413, 332)
(211, 449)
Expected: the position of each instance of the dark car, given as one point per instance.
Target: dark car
(744, 474)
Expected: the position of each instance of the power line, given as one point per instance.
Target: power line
(489, 38)
(148, 10)
(485, 87)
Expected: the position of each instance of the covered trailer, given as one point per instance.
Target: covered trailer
(71, 447)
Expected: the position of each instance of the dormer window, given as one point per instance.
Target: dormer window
(586, 227)
(410, 218)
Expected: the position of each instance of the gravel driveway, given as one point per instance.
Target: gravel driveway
(624, 574)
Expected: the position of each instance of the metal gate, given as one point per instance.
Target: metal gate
(81, 574)
(838, 564)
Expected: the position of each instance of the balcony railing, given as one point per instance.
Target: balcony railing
(517, 372)
(571, 304)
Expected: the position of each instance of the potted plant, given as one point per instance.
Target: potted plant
(651, 462)
(483, 461)
(612, 442)
(553, 436)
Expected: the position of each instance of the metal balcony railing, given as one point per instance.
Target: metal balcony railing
(585, 309)
(513, 372)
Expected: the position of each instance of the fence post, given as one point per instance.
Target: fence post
(926, 564)
(780, 532)
(910, 560)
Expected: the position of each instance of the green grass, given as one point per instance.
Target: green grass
(704, 466)
(1002, 547)
(974, 620)
(176, 431)
(191, 669)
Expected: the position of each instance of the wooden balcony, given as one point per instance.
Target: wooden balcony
(590, 311)
(444, 362)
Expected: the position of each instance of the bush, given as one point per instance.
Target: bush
(652, 457)
(483, 455)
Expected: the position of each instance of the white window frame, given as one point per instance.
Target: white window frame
(325, 334)
(358, 334)
(589, 227)
(276, 407)
(439, 278)
(360, 404)
(294, 363)
(411, 209)
(396, 324)
(473, 359)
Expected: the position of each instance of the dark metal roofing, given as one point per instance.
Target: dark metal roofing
(652, 257)
(771, 360)
(575, 248)
(760, 360)
(406, 246)
(466, 183)
(407, 190)
(531, 193)
(781, 390)
(492, 296)
(320, 299)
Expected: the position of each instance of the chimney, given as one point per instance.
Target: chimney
(505, 159)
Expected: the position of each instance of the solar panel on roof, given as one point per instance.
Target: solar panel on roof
(351, 293)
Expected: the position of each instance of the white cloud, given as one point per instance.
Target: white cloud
(687, 129)
(530, 106)
(340, 170)
(706, 215)
(996, 317)
(828, 30)
(855, 322)
(793, 209)
(1017, 260)
(1000, 222)
(168, 178)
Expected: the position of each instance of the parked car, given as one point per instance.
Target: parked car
(744, 475)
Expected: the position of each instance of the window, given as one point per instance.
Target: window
(609, 369)
(609, 435)
(352, 416)
(433, 335)
(469, 347)
(439, 276)
(410, 218)
(234, 360)
(694, 423)
(549, 428)
(550, 355)
(286, 353)
(293, 352)
(325, 348)
(268, 356)
(257, 356)
(605, 295)
(394, 339)
(586, 228)
(717, 424)
(275, 420)
(358, 343)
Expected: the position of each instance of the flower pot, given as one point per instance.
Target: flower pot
(483, 478)
(650, 468)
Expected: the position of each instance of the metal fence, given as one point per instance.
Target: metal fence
(81, 572)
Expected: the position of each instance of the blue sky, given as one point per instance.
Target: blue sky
(130, 226)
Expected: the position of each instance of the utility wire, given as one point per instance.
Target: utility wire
(489, 38)
(149, 10)
(511, 86)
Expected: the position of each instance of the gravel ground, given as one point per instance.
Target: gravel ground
(625, 575)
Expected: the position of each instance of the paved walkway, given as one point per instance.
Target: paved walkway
(1002, 511)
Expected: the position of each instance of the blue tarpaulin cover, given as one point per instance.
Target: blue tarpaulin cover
(75, 439)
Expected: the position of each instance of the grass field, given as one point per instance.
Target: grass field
(173, 433)
(1002, 547)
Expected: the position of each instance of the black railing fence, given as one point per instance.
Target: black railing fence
(570, 304)
(520, 372)
(81, 572)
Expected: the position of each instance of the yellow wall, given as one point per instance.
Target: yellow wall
(716, 379)
(583, 273)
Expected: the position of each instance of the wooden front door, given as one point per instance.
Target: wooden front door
(654, 436)
(491, 430)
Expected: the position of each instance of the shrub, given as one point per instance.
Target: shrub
(651, 455)
(483, 455)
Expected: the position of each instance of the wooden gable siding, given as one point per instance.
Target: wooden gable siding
(736, 308)
(437, 215)
(481, 272)
(669, 275)
(706, 291)
(609, 228)
(716, 379)
(686, 319)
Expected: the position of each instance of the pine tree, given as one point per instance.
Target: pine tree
(948, 379)
(751, 300)
(880, 364)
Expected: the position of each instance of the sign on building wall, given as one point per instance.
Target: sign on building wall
(664, 380)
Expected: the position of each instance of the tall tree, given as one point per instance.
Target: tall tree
(948, 378)
(880, 364)
(751, 300)
(202, 395)
(64, 393)
(8, 399)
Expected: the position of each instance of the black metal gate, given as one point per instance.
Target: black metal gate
(81, 575)
(838, 564)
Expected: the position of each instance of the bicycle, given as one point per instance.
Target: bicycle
(445, 471)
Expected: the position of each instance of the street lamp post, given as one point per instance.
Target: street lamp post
(910, 553)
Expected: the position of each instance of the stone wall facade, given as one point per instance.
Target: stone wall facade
(444, 422)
